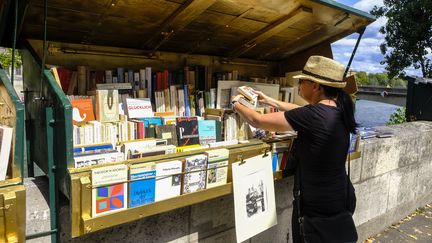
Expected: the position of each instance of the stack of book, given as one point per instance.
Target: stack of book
(250, 98)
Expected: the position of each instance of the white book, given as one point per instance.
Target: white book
(174, 99)
(181, 106)
(136, 146)
(6, 134)
(217, 172)
(223, 143)
(139, 108)
(195, 174)
(168, 179)
(142, 78)
(109, 193)
(148, 73)
(108, 76)
(97, 131)
(96, 159)
(212, 98)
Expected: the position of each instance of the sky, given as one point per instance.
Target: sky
(368, 55)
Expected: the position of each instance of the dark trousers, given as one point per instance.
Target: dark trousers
(295, 225)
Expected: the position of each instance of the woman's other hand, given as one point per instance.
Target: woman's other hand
(262, 98)
(236, 98)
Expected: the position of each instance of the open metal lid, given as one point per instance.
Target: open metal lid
(257, 29)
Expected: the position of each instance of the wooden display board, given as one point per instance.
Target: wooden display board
(81, 196)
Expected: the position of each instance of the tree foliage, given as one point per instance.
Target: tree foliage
(6, 58)
(408, 35)
(379, 79)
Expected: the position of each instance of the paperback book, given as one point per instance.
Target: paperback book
(195, 174)
(217, 167)
(109, 193)
(168, 179)
(142, 185)
(187, 131)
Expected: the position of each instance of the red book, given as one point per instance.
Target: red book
(140, 129)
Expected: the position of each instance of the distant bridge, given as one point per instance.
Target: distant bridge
(394, 96)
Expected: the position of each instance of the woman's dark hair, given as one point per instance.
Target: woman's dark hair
(345, 103)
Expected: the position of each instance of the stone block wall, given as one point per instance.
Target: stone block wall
(392, 178)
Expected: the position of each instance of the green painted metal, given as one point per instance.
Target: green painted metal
(40, 93)
(50, 124)
(343, 7)
(18, 156)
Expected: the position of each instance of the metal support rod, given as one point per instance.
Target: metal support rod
(40, 234)
(14, 41)
(361, 31)
(49, 123)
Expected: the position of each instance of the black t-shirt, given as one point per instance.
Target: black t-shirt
(321, 149)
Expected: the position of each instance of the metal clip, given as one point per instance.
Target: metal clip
(240, 157)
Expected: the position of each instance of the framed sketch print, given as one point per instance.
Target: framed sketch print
(254, 197)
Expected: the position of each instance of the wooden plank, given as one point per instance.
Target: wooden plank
(272, 29)
(10, 208)
(131, 214)
(179, 19)
(86, 201)
(75, 204)
(2, 220)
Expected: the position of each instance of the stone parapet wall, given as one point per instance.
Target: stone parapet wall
(392, 178)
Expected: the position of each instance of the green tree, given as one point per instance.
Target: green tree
(6, 58)
(362, 78)
(408, 35)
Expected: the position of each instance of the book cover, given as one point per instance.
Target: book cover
(85, 160)
(131, 147)
(6, 134)
(139, 108)
(207, 131)
(107, 105)
(109, 191)
(168, 132)
(142, 185)
(152, 151)
(187, 130)
(82, 111)
(195, 174)
(186, 101)
(168, 179)
(217, 168)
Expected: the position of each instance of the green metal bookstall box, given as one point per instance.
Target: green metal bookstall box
(12, 191)
(263, 39)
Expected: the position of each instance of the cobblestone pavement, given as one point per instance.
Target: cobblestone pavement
(416, 227)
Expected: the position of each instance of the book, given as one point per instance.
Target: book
(143, 184)
(249, 94)
(187, 130)
(82, 111)
(207, 131)
(109, 193)
(6, 134)
(217, 168)
(96, 159)
(195, 174)
(168, 132)
(129, 148)
(152, 151)
(247, 103)
(139, 108)
(112, 86)
(168, 179)
(107, 105)
(81, 149)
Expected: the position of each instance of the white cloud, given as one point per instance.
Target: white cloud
(367, 5)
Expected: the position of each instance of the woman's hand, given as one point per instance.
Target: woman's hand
(236, 98)
(262, 98)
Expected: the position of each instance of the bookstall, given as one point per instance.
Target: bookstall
(183, 59)
(12, 191)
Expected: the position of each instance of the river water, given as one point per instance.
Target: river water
(371, 113)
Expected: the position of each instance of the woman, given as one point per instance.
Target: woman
(323, 127)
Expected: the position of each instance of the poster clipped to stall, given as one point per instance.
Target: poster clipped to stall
(254, 197)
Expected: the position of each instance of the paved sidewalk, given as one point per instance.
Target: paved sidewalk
(416, 227)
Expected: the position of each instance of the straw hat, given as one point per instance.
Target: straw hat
(324, 71)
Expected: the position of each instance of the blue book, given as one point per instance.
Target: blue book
(186, 100)
(92, 148)
(142, 185)
(157, 121)
(207, 131)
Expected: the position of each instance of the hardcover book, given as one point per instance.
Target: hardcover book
(195, 174)
(142, 185)
(107, 105)
(187, 131)
(168, 179)
(217, 169)
(109, 191)
(207, 131)
(6, 134)
(82, 111)
(168, 132)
